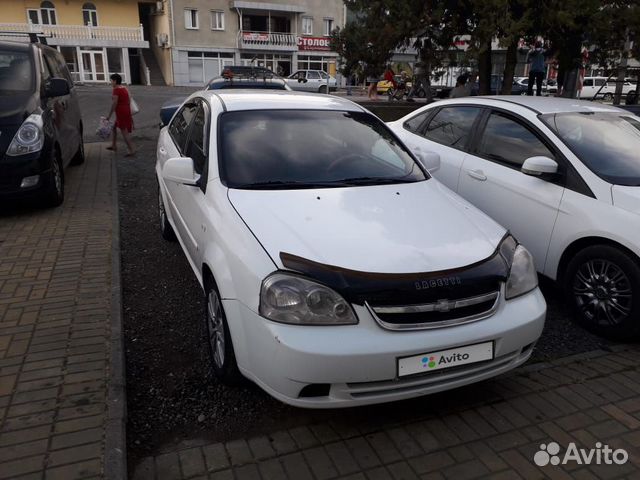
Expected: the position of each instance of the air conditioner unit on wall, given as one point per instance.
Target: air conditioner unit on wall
(162, 40)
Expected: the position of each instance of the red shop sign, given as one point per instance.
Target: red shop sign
(314, 43)
(255, 37)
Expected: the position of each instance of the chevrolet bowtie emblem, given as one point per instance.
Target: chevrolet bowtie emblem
(444, 305)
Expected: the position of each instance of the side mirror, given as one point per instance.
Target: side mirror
(537, 166)
(429, 160)
(180, 170)
(56, 87)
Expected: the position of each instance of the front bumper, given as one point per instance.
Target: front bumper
(359, 362)
(14, 169)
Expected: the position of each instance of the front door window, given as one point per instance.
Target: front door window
(93, 66)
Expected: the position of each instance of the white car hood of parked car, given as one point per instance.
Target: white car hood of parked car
(626, 197)
(402, 228)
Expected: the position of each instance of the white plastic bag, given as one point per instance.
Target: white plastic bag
(105, 127)
(133, 105)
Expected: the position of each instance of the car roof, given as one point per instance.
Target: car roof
(16, 46)
(538, 104)
(236, 100)
(218, 83)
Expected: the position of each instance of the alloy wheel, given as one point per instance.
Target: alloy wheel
(603, 292)
(215, 326)
(57, 177)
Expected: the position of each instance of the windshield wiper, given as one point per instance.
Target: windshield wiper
(376, 180)
(284, 185)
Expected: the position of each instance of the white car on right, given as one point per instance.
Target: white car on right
(563, 176)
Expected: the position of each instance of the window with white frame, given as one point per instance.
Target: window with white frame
(48, 13)
(203, 66)
(307, 25)
(328, 26)
(191, 18)
(217, 20)
(90, 14)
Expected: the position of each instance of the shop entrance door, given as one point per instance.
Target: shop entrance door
(93, 65)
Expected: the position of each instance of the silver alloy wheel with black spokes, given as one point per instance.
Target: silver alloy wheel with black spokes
(54, 192)
(602, 284)
(215, 328)
(603, 292)
(219, 337)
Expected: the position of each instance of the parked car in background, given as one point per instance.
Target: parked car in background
(496, 87)
(234, 77)
(563, 176)
(600, 88)
(312, 81)
(336, 272)
(549, 87)
(40, 123)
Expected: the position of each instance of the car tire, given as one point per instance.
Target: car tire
(421, 93)
(223, 358)
(323, 89)
(602, 287)
(607, 97)
(166, 230)
(54, 189)
(78, 158)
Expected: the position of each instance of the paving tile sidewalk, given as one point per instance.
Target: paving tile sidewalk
(59, 337)
(586, 398)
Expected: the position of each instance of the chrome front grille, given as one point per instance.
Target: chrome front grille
(441, 313)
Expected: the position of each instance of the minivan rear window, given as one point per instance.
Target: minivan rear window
(16, 72)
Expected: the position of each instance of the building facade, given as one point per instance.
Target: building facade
(193, 40)
(96, 38)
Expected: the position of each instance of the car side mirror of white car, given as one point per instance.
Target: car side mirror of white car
(180, 170)
(429, 160)
(537, 166)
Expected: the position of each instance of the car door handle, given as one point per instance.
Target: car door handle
(477, 174)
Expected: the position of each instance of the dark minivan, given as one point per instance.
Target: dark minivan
(40, 124)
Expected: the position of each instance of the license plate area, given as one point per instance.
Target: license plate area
(443, 359)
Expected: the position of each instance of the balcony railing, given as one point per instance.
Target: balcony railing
(277, 40)
(78, 32)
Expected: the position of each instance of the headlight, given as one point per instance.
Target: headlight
(29, 137)
(288, 298)
(522, 277)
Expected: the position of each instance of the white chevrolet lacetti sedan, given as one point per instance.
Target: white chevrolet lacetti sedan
(564, 176)
(336, 271)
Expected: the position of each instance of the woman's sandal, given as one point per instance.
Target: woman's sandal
(111, 148)
(130, 154)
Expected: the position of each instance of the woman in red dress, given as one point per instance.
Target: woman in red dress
(121, 105)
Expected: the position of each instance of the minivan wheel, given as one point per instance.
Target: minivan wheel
(219, 339)
(323, 89)
(54, 193)
(602, 285)
(166, 230)
(78, 158)
(607, 97)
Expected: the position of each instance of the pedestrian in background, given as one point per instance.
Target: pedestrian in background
(460, 90)
(536, 57)
(121, 106)
(372, 82)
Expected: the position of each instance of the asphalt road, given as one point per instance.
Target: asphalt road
(172, 396)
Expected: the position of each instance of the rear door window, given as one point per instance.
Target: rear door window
(179, 127)
(452, 126)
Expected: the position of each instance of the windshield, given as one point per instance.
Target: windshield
(284, 149)
(607, 143)
(15, 72)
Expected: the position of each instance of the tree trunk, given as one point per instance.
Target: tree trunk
(484, 68)
(510, 67)
(427, 83)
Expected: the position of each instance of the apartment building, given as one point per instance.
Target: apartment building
(96, 38)
(193, 40)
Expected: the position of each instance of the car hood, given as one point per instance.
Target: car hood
(405, 228)
(15, 108)
(626, 197)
